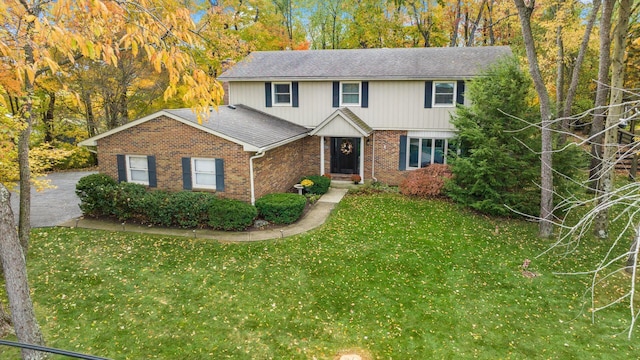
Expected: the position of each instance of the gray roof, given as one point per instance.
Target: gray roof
(252, 129)
(247, 125)
(365, 64)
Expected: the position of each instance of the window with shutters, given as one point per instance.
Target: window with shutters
(203, 173)
(137, 169)
(350, 94)
(444, 93)
(282, 94)
(424, 152)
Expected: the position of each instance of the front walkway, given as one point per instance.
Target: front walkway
(313, 218)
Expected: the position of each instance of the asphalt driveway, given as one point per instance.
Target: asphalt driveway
(54, 206)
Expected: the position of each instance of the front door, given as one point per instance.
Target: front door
(345, 155)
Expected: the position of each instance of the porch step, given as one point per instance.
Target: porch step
(343, 184)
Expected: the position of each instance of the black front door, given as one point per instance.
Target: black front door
(345, 155)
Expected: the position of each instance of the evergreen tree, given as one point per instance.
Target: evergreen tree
(497, 168)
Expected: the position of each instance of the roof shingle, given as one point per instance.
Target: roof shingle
(366, 64)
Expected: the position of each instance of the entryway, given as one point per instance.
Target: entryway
(345, 155)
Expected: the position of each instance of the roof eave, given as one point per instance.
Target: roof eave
(253, 148)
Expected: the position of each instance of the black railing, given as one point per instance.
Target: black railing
(51, 350)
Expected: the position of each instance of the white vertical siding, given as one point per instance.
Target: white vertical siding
(393, 105)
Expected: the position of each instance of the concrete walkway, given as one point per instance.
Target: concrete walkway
(313, 218)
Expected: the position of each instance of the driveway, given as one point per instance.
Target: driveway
(54, 206)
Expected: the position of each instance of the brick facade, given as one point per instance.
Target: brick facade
(387, 150)
(279, 169)
(169, 141)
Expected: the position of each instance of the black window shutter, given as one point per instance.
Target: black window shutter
(460, 92)
(267, 94)
(186, 173)
(294, 94)
(151, 169)
(365, 94)
(219, 175)
(122, 168)
(336, 94)
(428, 94)
(402, 160)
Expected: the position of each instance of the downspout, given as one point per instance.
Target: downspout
(373, 157)
(258, 155)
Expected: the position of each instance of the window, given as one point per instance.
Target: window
(424, 152)
(444, 93)
(203, 173)
(137, 169)
(282, 94)
(350, 93)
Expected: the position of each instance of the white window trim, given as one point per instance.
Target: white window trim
(433, 150)
(455, 92)
(359, 93)
(128, 165)
(194, 184)
(274, 95)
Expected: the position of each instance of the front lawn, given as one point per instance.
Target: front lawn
(386, 277)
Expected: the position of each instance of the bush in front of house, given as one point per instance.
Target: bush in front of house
(281, 208)
(128, 201)
(190, 209)
(320, 184)
(231, 215)
(100, 195)
(426, 182)
(96, 194)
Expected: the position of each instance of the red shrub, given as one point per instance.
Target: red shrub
(426, 182)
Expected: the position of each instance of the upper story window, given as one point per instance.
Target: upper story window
(350, 93)
(444, 93)
(282, 94)
(137, 169)
(203, 173)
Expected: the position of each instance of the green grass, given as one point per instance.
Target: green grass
(390, 277)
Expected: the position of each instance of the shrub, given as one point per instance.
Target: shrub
(374, 187)
(320, 184)
(96, 194)
(355, 178)
(228, 214)
(157, 208)
(426, 182)
(128, 201)
(281, 208)
(190, 209)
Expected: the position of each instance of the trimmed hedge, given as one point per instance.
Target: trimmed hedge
(228, 214)
(281, 208)
(320, 184)
(101, 196)
(96, 194)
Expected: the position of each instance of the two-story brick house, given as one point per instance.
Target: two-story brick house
(377, 113)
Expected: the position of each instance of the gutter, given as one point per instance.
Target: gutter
(258, 155)
(373, 156)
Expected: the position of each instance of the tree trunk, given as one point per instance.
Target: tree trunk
(605, 186)
(47, 118)
(474, 24)
(456, 24)
(15, 274)
(560, 73)
(575, 75)
(24, 219)
(546, 173)
(597, 127)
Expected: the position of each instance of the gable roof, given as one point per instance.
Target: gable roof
(254, 130)
(366, 64)
(354, 123)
